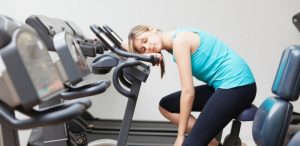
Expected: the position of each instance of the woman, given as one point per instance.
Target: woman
(230, 86)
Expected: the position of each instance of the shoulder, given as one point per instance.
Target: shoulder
(185, 39)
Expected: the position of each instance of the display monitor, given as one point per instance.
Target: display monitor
(38, 64)
(77, 56)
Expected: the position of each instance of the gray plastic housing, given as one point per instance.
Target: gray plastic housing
(28, 72)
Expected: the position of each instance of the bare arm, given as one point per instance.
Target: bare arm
(182, 52)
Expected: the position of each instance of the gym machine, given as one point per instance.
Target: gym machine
(72, 69)
(47, 28)
(29, 77)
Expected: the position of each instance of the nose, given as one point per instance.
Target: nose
(146, 46)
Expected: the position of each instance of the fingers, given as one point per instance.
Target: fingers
(158, 55)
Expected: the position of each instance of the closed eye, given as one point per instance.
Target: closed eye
(144, 40)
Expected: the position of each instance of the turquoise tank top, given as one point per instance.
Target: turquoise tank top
(216, 64)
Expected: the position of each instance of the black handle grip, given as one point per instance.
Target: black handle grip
(50, 116)
(118, 72)
(124, 81)
(113, 36)
(86, 90)
(152, 59)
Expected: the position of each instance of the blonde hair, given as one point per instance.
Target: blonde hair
(134, 33)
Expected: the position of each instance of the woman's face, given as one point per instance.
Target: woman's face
(148, 42)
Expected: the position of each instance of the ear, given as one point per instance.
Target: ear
(124, 45)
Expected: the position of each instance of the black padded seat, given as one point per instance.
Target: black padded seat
(248, 114)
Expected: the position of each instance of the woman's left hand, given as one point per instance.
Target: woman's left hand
(158, 55)
(179, 141)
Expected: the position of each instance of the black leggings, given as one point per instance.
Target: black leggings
(218, 108)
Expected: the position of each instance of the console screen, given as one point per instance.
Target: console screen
(38, 64)
(77, 56)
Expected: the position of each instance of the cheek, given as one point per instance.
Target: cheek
(136, 44)
(159, 43)
(157, 40)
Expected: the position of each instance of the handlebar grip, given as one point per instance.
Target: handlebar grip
(154, 59)
(124, 81)
(86, 90)
(117, 73)
(113, 35)
(50, 116)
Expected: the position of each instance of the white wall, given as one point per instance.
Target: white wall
(258, 30)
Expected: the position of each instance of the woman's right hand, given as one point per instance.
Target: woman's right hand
(158, 55)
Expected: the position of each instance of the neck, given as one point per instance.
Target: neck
(167, 39)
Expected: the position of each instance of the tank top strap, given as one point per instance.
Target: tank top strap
(185, 29)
